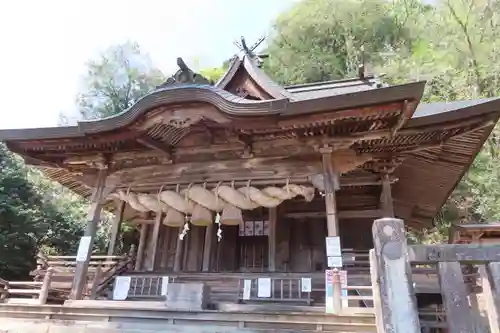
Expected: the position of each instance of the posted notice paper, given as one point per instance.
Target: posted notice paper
(264, 287)
(122, 286)
(83, 248)
(247, 286)
(164, 285)
(305, 283)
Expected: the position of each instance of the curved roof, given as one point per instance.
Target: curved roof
(438, 141)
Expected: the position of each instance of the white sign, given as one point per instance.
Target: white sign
(333, 248)
(264, 287)
(83, 248)
(334, 262)
(343, 278)
(305, 283)
(247, 286)
(164, 285)
(122, 286)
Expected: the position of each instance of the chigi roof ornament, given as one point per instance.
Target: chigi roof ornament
(250, 51)
(184, 76)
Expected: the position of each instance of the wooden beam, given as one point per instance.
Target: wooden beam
(93, 217)
(207, 247)
(178, 252)
(387, 203)
(273, 219)
(330, 179)
(153, 244)
(343, 214)
(115, 228)
(464, 253)
(142, 246)
(156, 145)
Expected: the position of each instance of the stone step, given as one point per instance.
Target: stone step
(107, 318)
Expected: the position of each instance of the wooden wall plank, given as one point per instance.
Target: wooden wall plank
(454, 291)
(398, 303)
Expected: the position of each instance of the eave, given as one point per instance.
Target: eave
(228, 104)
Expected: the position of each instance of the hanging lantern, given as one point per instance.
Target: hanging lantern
(201, 216)
(173, 218)
(231, 215)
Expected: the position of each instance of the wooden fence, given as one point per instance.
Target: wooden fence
(469, 278)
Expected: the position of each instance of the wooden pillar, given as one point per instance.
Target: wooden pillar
(178, 253)
(115, 229)
(207, 247)
(386, 200)
(330, 178)
(153, 244)
(165, 247)
(273, 218)
(141, 247)
(93, 217)
(394, 290)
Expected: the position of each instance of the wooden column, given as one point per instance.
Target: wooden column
(330, 178)
(394, 290)
(178, 252)
(115, 228)
(386, 200)
(141, 247)
(93, 217)
(153, 244)
(165, 247)
(207, 247)
(273, 218)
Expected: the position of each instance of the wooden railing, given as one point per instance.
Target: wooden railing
(281, 290)
(469, 276)
(27, 290)
(101, 272)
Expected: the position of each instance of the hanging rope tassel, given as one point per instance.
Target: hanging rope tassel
(185, 229)
(219, 229)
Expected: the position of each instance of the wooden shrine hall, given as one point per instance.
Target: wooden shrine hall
(244, 176)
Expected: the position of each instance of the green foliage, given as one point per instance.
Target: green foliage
(454, 45)
(116, 80)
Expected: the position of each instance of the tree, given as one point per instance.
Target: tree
(320, 40)
(453, 45)
(116, 80)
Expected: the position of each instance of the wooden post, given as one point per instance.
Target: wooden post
(95, 282)
(178, 253)
(165, 247)
(491, 290)
(93, 218)
(386, 199)
(398, 304)
(115, 229)
(458, 314)
(153, 244)
(330, 178)
(44, 292)
(273, 219)
(375, 280)
(142, 246)
(207, 247)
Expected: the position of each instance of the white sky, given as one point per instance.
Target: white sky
(44, 44)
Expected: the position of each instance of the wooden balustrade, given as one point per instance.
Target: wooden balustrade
(33, 289)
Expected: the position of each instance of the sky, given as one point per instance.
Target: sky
(44, 45)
